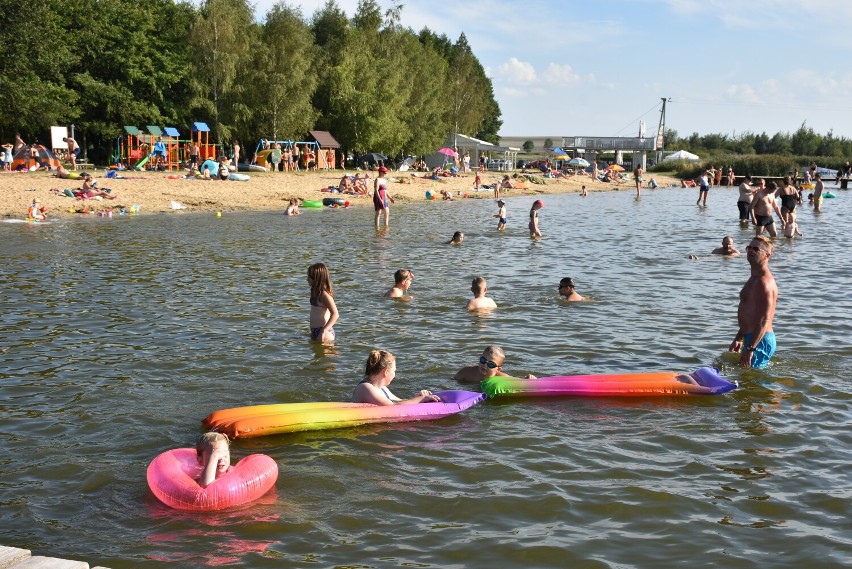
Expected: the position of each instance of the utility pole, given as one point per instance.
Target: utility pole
(661, 142)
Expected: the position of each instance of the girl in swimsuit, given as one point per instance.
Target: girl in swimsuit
(323, 309)
(534, 230)
(378, 374)
(381, 197)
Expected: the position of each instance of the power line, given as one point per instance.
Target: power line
(633, 122)
(762, 105)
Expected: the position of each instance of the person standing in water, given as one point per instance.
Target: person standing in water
(381, 197)
(324, 313)
(755, 339)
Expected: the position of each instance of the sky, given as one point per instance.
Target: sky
(595, 68)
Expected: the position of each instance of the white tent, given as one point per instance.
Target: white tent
(681, 155)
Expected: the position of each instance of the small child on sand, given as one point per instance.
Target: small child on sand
(477, 181)
(501, 215)
(214, 455)
(324, 313)
(402, 282)
(36, 211)
(490, 364)
(378, 374)
(480, 302)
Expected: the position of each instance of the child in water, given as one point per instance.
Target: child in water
(480, 302)
(378, 374)
(458, 238)
(214, 455)
(501, 215)
(792, 227)
(534, 230)
(323, 309)
(293, 208)
(490, 364)
(402, 282)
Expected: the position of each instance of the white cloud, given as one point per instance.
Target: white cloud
(517, 71)
(557, 74)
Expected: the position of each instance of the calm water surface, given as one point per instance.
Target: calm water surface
(119, 335)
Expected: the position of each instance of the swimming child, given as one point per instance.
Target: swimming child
(402, 282)
(214, 456)
(293, 208)
(324, 313)
(480, 302)
(378, 374)
(566, 289)
(583, 191)
(534, 230)
(501, 215)
(490, 364)
(458, 238)
(792, 227)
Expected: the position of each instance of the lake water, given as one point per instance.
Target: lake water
(119, 335)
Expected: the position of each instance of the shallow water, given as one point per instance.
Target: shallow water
(119, 335)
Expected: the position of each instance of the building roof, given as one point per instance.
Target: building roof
(324, 138)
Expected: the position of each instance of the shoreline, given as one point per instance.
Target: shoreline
(265, 191)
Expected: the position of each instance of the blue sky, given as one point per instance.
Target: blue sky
(589, 68)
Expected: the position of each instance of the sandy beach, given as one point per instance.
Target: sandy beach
(154, 191)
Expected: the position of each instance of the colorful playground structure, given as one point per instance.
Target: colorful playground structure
(319, 152)
(161, 148)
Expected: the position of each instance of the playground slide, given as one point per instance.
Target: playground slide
(139, 165)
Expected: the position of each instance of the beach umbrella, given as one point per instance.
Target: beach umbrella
(681, 155)
(560, 157)
(614, 167)
(372, 158)
(578, 162)
(448, 152)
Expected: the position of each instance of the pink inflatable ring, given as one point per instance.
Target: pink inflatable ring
(173, 478)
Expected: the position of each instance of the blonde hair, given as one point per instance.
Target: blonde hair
(401, 275)
(495, 351)
(765, 241)
(378, 361)
(208, 441)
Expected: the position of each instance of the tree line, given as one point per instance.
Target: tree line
(374, 84)
(803, 142)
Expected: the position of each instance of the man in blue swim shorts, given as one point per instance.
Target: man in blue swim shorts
(755, 339)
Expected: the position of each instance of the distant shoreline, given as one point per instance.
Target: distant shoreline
(154, 191)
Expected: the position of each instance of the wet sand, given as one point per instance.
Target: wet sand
(154, 191)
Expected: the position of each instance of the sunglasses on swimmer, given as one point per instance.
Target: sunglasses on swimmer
(489, 363)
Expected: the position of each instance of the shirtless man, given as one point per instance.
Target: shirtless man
(637, 178)
(727, 248)
(761, 210)
(755, 339)
(819, 186)
(73, 151)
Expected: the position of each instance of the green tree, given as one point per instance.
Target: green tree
(528, 146)
(36, 51)
(282, 89)
(804, 142)
(779, 144)
(221, 41)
